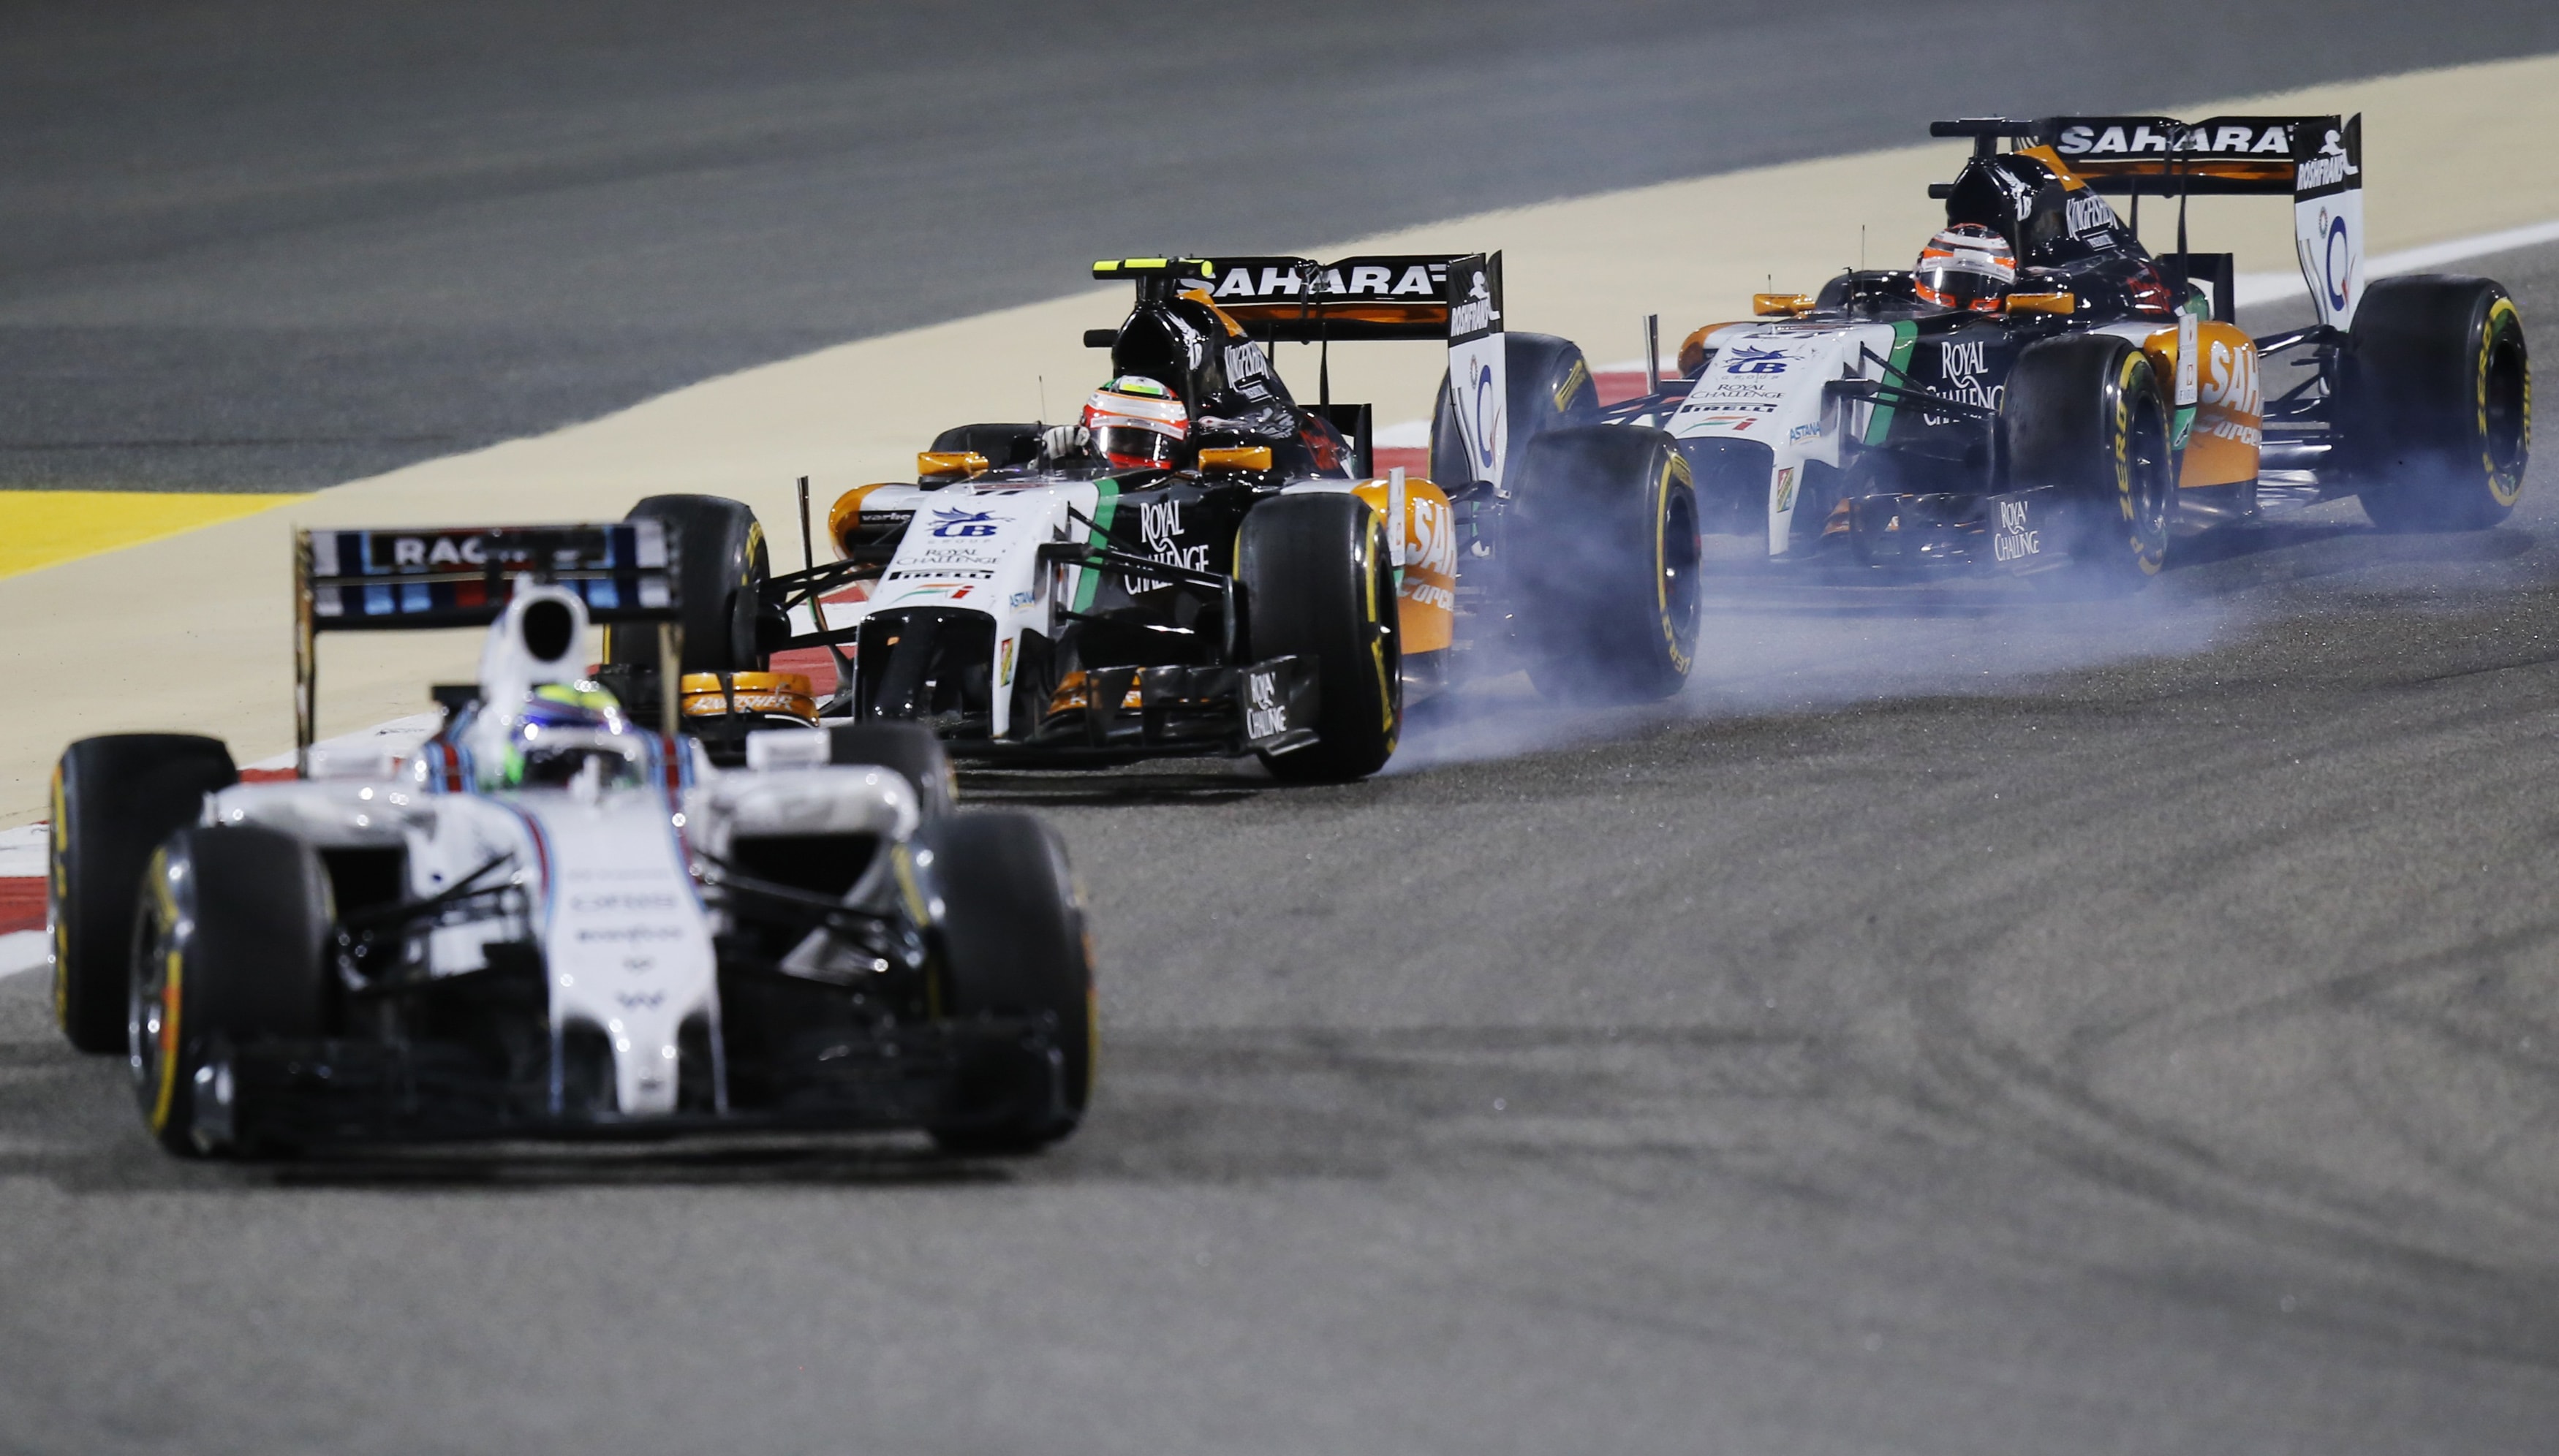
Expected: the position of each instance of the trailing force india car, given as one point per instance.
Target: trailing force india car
(549, 920)
(2073, 422)
(1259, 590)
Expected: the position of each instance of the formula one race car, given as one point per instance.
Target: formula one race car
(2043, 394)
(547, 921)
(1205, 566)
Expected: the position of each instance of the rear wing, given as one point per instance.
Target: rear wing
(2317, 160)
(417, 578)
(1434, 296)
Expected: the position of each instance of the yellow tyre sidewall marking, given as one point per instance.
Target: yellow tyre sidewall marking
(1673, 468)
(1371, 553)
(2127, 383)
(172, 992)
(60, 835)
(2505, 490)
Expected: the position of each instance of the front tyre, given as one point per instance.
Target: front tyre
(1319, 585)
(1013, 946)
(2434, 403)
(2084, 415)
(912, 750)
(1604, 550)
(230, 947)
(115, 798)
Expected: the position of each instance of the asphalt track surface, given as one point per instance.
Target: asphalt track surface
(1959, 1024)
(277, 245)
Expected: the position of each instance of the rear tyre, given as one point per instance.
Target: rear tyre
(2434, 403)
(114, 799)
(1014, 945)
(1604, 559)
(1319, 585)
(2085, 415)
(911, 748)
(1547, 386)
(722, 566)
(230, 944)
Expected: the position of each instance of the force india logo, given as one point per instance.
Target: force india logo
(1473, 315)
(2088, 213)
(2330, 166)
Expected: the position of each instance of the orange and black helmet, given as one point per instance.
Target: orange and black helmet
(1967, 266)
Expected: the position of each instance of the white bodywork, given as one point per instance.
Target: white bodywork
(975, 546)
(1764, 384)
(602, 874)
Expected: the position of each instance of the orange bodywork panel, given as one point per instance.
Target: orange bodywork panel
(847, 515)
(2230, 403)
(751, 692)
(1426, 600)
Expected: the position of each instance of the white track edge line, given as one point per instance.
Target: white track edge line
(2278, 287)
(21, 950)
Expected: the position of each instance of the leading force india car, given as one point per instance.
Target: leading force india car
(547, 920)
(2112, 402)
(1268, 593)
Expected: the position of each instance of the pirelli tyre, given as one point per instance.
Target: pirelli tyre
(2434, 403)
(230, 947)
(911, 748)
(721, 565)
(2085, 417)
(1603, 552)
(1013, 942)
(114, 799)
(1319, 585)
(1547, 386)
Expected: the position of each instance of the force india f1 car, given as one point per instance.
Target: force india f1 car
(2111, 403)
(547, 921)
(1264, 592)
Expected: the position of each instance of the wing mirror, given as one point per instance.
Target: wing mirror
(1236, 457)
(929, 463)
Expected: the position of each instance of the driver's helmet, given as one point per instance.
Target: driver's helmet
(1967, 266)
(1134, 423)
(548, 739)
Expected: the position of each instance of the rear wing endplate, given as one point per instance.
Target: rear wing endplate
(418, 578)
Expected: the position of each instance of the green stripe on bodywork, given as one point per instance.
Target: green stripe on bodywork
(2183, 428)
(1880, 423)
(1105, 507)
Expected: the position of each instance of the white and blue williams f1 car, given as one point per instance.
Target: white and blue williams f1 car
(549, 920)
